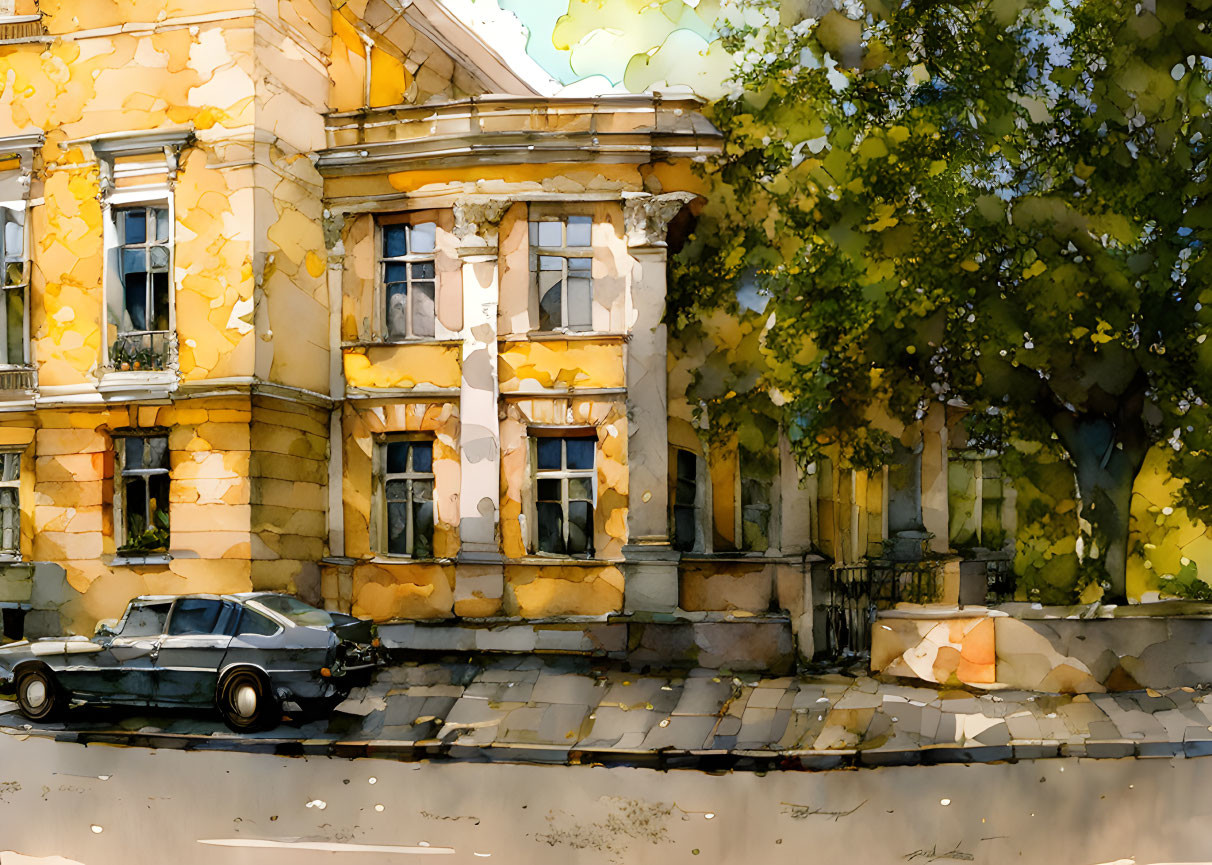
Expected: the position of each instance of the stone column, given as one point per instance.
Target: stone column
(650, 563)
(480, 575)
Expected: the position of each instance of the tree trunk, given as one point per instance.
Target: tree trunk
(1107, 456)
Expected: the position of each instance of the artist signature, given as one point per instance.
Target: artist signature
(932, 855)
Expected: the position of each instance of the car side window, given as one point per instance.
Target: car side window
(201, 616)
(252, 622)
(146, 621)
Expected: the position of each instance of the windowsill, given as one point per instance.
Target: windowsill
(559, 561)
(136, 379)
(10, 559)
(19, 19)
(562, 335)
(139, 559)
(384, 343)
(383, 559)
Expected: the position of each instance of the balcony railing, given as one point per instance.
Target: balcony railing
(18, 382)
(858, 590)
(148, 350)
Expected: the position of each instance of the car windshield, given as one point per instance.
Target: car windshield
(295, 610)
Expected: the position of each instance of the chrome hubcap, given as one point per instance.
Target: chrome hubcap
(246, 700)
(35, 694)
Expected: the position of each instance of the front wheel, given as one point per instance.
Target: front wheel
(39, 696)
(247, 703)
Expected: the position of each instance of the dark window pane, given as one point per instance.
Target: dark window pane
(580, 453)
(422, 270)
(552, 263)
(397, 457)
(551, 233)
(146, 621)
(551, 529)
(683, 529)
(134, 223)
(135, 285)
(252, 622)
(397, 528)
(580, 528)
(424, 237)
(579, 230)
(422, 309)
(194, 616)
(580, 307)
(422, 529)
(686, 492)
(395, 241)
(14, 273)
(688, 465)
(12, 467)
(397, 311)
(422, 456)
(157, 490)
(580, 488)
(397, 491)
(551, 305)
(580, 266)
(395, 273)
(133, 453)
(549, 453)
(15, 325)
(549, 490)
(158, 258)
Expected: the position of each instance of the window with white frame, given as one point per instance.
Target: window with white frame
(14, 341)
(10, 504)
(684, 500)
(980, 514)
(141, 494)
(565, 477)
(561, 265)
(408, 275)
(144, 262)
(407, 497)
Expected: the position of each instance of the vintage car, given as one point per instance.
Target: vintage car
(245, 654)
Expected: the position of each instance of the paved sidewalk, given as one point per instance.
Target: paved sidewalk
(562, 710)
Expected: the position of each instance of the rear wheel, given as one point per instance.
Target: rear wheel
(39, 696)
(246, 701)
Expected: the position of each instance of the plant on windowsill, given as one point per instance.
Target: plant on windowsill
(123, 356)
(143, 539)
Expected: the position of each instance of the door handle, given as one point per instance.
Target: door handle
(155, 652)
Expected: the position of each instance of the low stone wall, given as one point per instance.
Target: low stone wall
(1058, 649)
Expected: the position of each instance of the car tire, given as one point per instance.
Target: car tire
(39, 695)
(247, 702)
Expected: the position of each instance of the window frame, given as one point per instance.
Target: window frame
(564, 475)
(13, 553)
(150, 242)
(697, 508)
(1006, 514)
(381, 521)
(122, 540)
(410, 221)
(565, 252)
(7, 210)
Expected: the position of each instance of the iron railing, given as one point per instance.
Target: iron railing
(143, 350)
(18, 380)
(1000, 581)
(858, 590)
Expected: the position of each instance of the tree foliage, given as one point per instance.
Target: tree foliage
(1001, 204)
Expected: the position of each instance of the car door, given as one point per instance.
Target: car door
(122, 670)
(192, 650)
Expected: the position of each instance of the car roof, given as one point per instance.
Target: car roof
(235, 596)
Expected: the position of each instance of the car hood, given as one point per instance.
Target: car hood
(355, 630)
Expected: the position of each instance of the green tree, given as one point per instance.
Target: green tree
(1000, 202)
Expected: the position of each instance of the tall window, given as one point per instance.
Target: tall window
(564, 480)
(561, 254)
(976, 499)
(14, 290)
(144, 261)
(408, 279)
(10, 504)
(755, 513)
(684, 500)
(408, 497)
(143, 492)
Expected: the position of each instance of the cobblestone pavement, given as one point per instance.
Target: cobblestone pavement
(557, 710)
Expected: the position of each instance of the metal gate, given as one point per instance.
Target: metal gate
(858, 590)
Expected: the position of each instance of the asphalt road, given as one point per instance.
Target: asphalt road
(102, 804)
